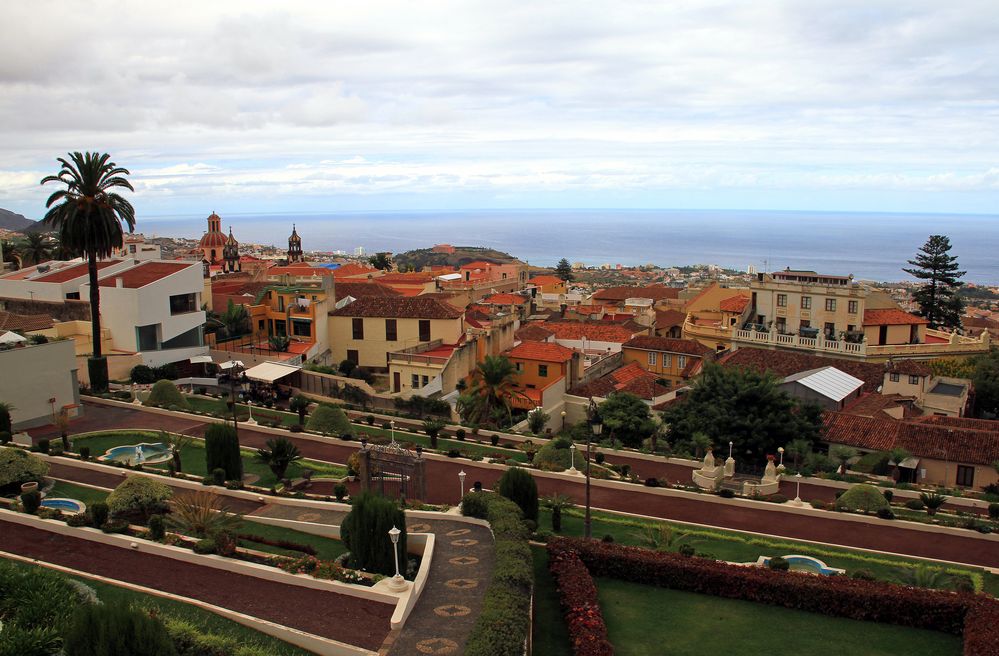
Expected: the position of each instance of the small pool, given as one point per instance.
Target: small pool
(138, 454)
(805, 564)
(65, 505)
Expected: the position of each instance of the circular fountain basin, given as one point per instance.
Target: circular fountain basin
(65, 505)
(806, 564)
(146, 454)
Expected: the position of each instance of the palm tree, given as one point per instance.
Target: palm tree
(87, 215)
(235, 319)
(35, 248)
(492, 386)
(922, 576)
(300, 404)
(798, 449)
(201, 514)
(279, 453)
(9, 251)
(843, 455)
(557, 503)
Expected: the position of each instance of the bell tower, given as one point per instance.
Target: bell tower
(294, 246)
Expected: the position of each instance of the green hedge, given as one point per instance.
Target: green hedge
(502, 626)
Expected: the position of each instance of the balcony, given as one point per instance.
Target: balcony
(817, 344)
(938, 344)
(433, 354)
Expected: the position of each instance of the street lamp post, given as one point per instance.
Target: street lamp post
(461, 480)
(249, 407)
(572, 458)
(234, 374)
(397, 583)
(392, 431)
(563, 420)
(596, 427)
(780, 450)
(730, 449)
(797, 493)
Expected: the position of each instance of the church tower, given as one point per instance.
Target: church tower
(294, 246)
(230, 254)
(213, 241)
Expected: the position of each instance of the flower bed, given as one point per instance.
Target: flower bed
(835, 596)
(580, 606)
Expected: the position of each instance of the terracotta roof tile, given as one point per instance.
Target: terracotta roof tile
(785, 363)
(546, 280)
(630, 378)
(361, 289)
(144, 274)
(403, 307)
(668, 345)
(542, 351)
(669, 318)
(352, 269)
(533, 332)
(734, 304)
(655, 292)
(874, 405)
(505, 299)
(23, 322)
(592, 331)
(910, 368)
(891, 317)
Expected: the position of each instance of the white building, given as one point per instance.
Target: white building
(45, 383)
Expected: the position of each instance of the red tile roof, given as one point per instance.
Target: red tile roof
(592, 331)
(875, 405)
(533, 332)
(66, 274)
(668, 345)
(630, 378)
(411, 278)
(505, 299)
(351, 269)
(910, 368)
(655, 292)
(23, 322)
(361, 289)
(734, 304)
(542, 351)
(401, 307)
(891, 317)
(669, 318)
(785, 363)
(145, 274)
(546, 280)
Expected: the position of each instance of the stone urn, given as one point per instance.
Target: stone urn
(30, 486)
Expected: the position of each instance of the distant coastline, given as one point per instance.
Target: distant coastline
(872, 246)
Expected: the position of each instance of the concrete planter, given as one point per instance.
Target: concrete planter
(30, 486)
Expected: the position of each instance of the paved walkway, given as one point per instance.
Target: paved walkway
(442, 487)
(452, 599)
(329, 614)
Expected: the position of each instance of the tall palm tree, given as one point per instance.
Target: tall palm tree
(87, 215)
(492, 387)
(9, 251)
(35, 248)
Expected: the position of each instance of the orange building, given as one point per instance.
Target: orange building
(673, 360)
(542, 367)
(548, 284)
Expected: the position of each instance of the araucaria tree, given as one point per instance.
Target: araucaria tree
(88, 216)
(564, 270)
(938, 299)
(745, 407)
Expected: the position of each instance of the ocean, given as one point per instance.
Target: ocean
(871, 246)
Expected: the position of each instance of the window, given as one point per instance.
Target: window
(830, 305)
(520, 366)
(72, 296)
(965, 476)
(781, 300)
(913, 380)
(183, 303)
(280, 303)
(279, 328)
(652, 358)
(667, 359)
(301, 328)
(357, 327)
(391, 332)
(830, 330)
(851, 307)
(147, 338)
(806, 302)
(426, 379)
(260, 325)
(415, 382)
(781, 324)
(543, 370)
(681, 361)
(893, 377)
(352, 356)
(424, 330)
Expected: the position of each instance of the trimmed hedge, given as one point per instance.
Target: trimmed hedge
(835, 596)
(981, 629)
(580, 606)
(501, 628)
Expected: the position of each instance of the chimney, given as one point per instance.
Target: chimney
(119, 282)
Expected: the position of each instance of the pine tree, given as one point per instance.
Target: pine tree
(938, 300)
(564, 270)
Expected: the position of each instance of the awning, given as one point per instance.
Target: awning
(201, 359)
(12, 338)
(909, 463)
(230, 364)
(268, 372)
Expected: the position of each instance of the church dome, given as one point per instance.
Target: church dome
(231, 241)
(212, 240)
(294, 235)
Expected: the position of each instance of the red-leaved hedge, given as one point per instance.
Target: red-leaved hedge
(580, 606)
(960, 614)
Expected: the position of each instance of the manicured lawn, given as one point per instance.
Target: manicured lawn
(550, 635)
(737, 547)
(326, 548)
(87, 495)
(193, 456)
(644, 620)
(207, 622)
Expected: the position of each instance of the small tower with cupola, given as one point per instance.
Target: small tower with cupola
(294, 246)
(230, 254)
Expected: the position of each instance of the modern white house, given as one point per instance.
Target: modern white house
(45, 383)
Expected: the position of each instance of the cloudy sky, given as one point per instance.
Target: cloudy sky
(325, 106)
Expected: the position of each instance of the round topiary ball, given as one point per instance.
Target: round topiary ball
(864, 498)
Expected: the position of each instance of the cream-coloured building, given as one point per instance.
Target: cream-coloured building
(40, 382)
(367, 330)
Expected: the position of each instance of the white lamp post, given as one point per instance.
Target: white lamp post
(563, 420)
(730, 449)
(461, 481)
(780, 450)
(797, 494)
(397, 582)
(392, 431)
(572, 458)
(249, 407)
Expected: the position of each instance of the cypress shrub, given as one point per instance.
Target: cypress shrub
(116, 630)
(517, 485)
(31, 501)
(164, 395)
(84, 453)
(44, 446)
(222, 451)
(5, 423)
(5, 437)
(98, 514)
(365, 532)
(157, 527)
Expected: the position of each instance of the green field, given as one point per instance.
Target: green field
(642, 620)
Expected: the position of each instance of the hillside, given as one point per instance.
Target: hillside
(12, 221)
(462, 255)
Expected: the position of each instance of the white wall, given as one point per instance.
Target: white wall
(34, 374)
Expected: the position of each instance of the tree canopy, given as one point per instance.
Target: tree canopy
(745, 407)
(564, 270)
(627, 418)
(938, 299)
(487, 401)
(381, 261)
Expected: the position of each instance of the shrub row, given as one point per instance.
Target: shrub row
(835, 596)
(981, 630)
(283, 544)
(501, 628)
(580, 606)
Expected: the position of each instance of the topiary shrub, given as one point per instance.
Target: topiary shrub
(473, 504)
(886, 513)
(328, 420)
(84, 453)
(30, 501)
(222, 451)
(164, 395)
(115, 526)
(599, 458)
(863, 497)
(494, 440)
(17, 467)
(44, 446)
(778, 564)
(114, 629)
(889, 495)
(365, 532)
(726, 493)
(5, 437)
(518, 485)
(157, 527)
(460, 434)
(143, 375)
(139, 496)
(98, 514)
(205, 546)
(218, 476)
(994, 510)
(78, 520)
(340, 491)
(914, 504)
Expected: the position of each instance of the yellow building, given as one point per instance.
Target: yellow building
(369, 329)
(548, 284)
(712, 313)
(294, 308)
(673, 360)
